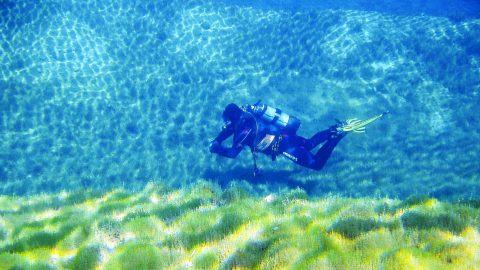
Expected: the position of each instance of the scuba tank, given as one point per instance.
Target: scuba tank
(274, 116)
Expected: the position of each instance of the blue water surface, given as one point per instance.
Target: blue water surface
(102, 94)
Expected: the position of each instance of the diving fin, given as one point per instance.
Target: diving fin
(358, 126)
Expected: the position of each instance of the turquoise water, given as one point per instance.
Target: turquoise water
(99, 94)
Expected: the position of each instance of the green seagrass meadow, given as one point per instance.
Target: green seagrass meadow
(205, 227)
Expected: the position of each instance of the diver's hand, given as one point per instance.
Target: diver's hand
(214, 146)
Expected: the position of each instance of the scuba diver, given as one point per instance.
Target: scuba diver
(272, 132)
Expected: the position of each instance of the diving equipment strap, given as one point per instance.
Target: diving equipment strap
(276, 147)
(243, 135)
(256, 171)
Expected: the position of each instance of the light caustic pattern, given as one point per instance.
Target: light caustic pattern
(109, 93)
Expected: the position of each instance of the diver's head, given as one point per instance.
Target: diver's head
(232, 113)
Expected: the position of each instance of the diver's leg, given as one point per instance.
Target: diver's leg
(321, 137)
(301, 156)
(325, 151)
(317, 139)
(295, 149)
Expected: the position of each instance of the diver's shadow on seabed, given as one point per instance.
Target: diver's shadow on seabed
(283, 178)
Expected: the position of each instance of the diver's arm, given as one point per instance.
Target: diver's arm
(216, 144)
(229, 152)
(227, 131)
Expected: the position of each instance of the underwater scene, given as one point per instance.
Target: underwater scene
(109, 110)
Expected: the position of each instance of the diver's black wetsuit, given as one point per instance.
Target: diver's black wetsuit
(249, 131)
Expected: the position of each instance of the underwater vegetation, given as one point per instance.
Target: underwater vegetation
(94, 93)
(205, 227)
